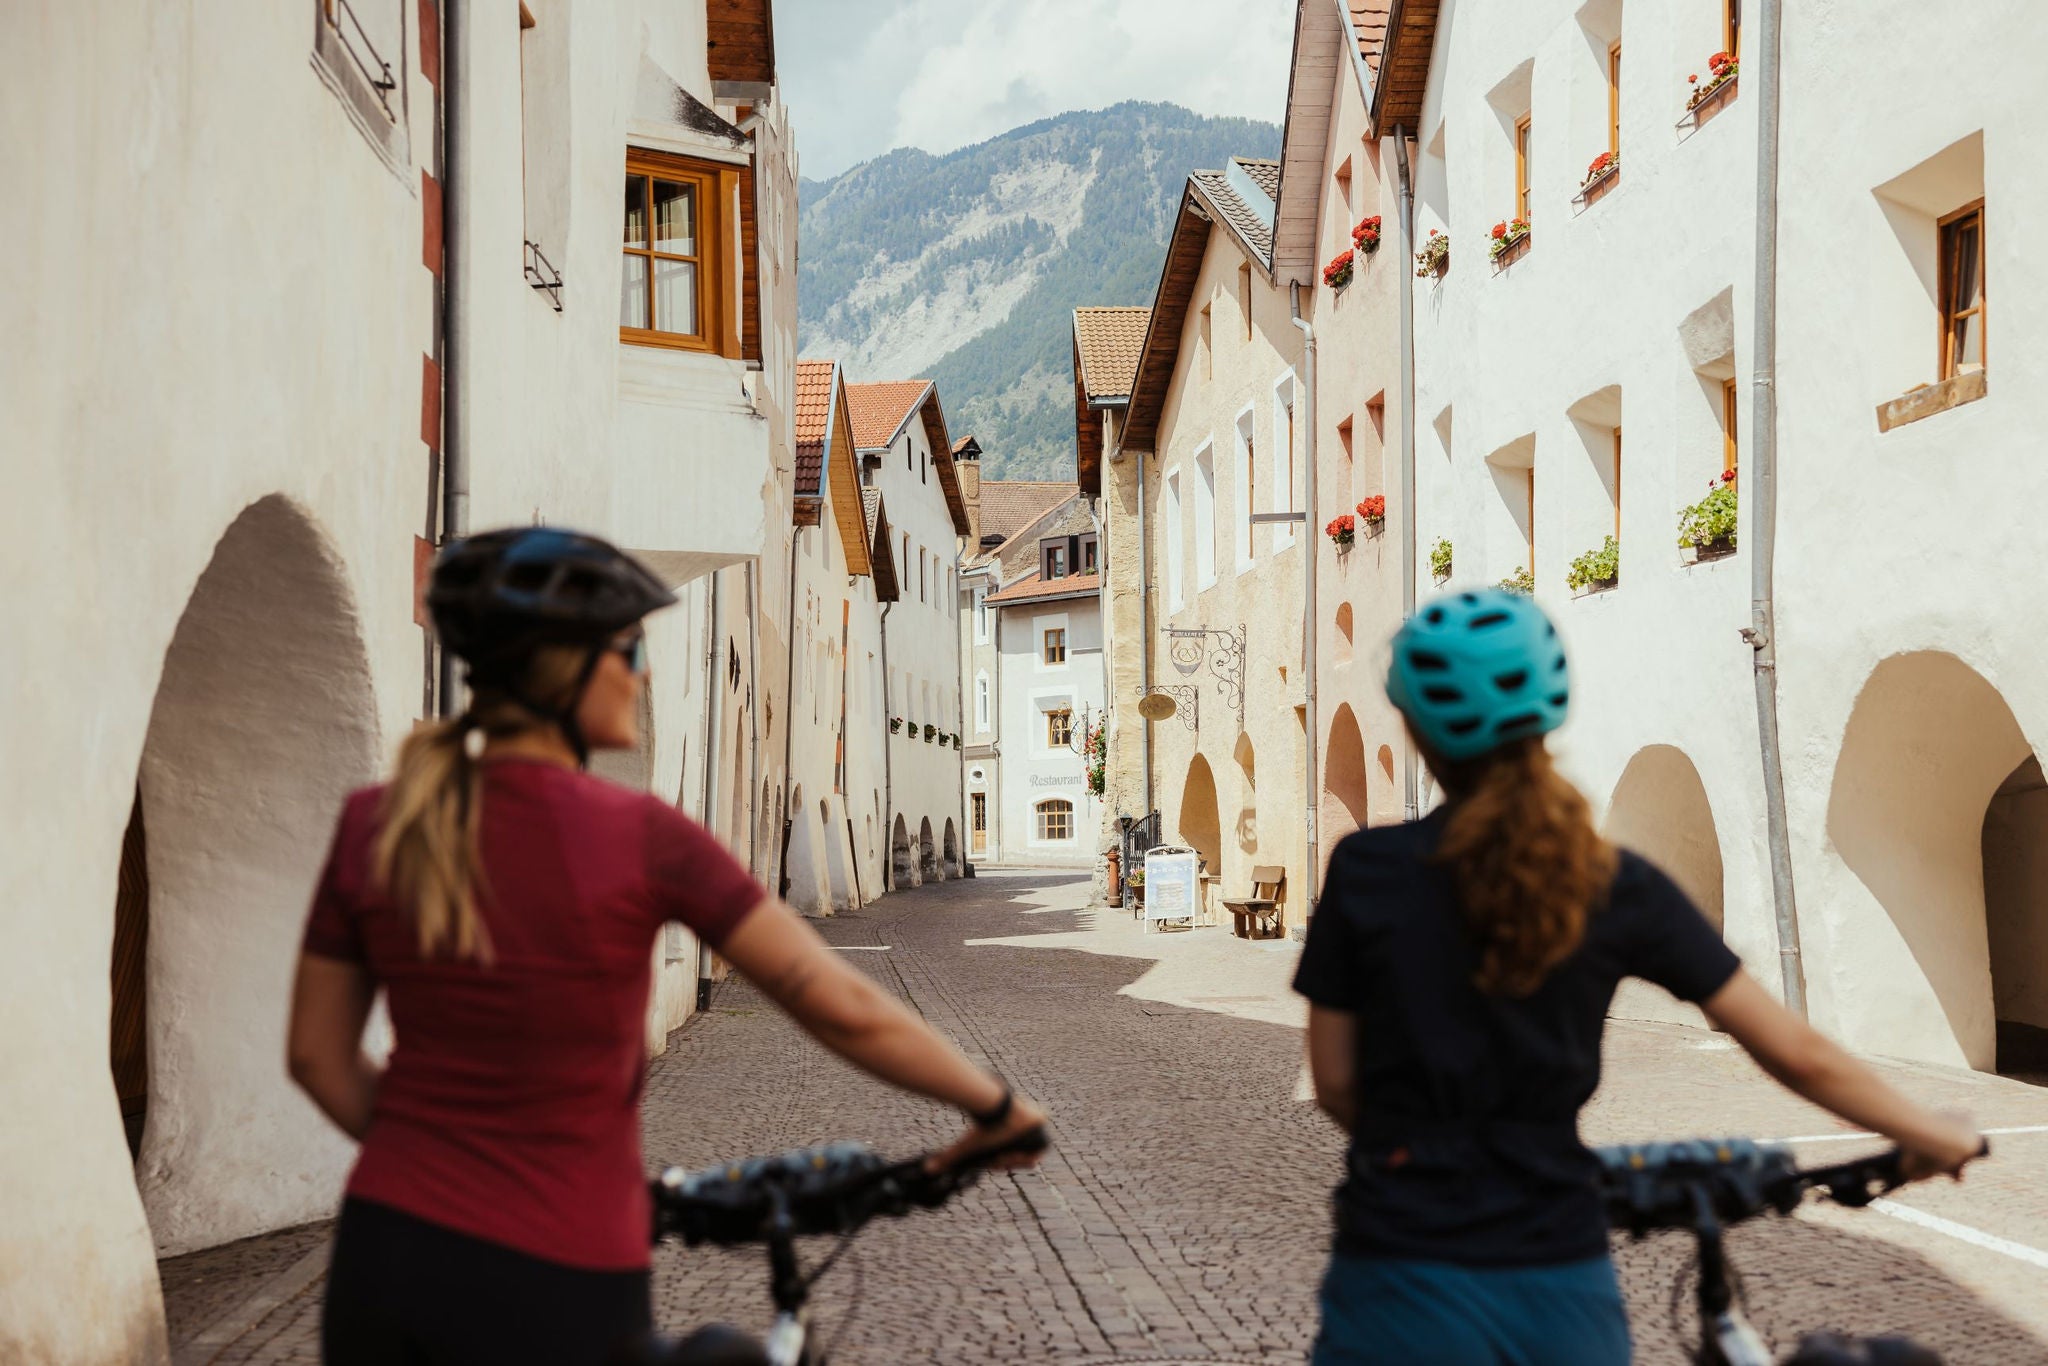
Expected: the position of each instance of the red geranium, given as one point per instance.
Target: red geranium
(1500, 230)
(1719, 63)
(1601, 164)
(1373, 509)
(1366, 236)
(1337, 274)
(1341, 528)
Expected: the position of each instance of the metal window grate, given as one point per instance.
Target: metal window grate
(363, 52)
(542, 275)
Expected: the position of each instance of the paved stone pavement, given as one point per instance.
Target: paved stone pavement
(1181, 1216)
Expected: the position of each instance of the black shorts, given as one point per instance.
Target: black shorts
(404, 1292)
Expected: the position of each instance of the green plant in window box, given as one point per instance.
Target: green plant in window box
(1521, 581)
(1708, 526)
(895, 724)
(1596, 568)
(931, 732)
(1440, 560)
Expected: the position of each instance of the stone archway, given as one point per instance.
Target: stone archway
(949, 850)
(928, 853)
(264, 719)
(1660, 810)
(902, 857)
(1200, 825)
(1936, 815)
(1345, 803)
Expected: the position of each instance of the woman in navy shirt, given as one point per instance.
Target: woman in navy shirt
(1459, 970)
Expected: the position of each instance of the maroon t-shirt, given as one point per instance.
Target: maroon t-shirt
(510, 1107)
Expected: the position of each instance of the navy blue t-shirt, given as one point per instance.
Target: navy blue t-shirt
(1466, 1148)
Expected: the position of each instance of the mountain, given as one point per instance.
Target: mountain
(967, 267)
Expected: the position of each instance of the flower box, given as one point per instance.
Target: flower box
(895, 724)
(1373, 512)
(1707, 528)
(1522, 581)
(1435, 257)
(1342, 530)
(1597, 570)
(1602, 176)
(931, 733)
(1440, 560)
(1510, 243)
(1365, 238)
(1706, 554)
(1710, 99)
(1337, 273)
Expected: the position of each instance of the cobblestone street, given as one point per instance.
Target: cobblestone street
(1181, 1216)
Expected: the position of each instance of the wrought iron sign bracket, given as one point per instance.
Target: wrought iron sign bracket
(1187, 700)
(1189, 646)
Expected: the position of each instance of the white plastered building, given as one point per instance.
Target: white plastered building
(229, 467)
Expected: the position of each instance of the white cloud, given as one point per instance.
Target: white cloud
(864, 76)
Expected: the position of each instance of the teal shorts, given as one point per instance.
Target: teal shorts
(1381, 1310)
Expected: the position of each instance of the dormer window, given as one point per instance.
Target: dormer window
(1054, 560)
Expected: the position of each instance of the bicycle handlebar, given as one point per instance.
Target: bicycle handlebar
(831, 1188)
(1649, 1186)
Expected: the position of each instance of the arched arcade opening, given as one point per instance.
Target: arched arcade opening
(1344, 802)
(1660, 810)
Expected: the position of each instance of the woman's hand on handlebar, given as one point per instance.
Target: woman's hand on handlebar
(1024, 1117)
(1949, 1144)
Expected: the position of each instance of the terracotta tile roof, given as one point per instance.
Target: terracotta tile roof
(1369, 18)
(813, 413)
(963, 443)
(1252, 223)
(879, 410)
(1035, 587)
(1010, 505)
(1109, 341)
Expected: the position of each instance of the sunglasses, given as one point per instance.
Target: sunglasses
(633, 651)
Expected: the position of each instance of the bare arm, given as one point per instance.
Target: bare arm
(1814, 1066)
(330, 1003)
(860, 1022)
(1333, 1063)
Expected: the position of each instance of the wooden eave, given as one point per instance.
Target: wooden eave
(882, 559)
(1185, 251)
(1404, 67)
(1087, 430)
(1322, 34)
(842, 478)
(942, 456)
(750, 269)
(740, 41)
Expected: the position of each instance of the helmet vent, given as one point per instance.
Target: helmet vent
(1428, 661)
(1559, 699)
(1434, 616)
(1441, 693)
(1464, 725)
(1519, 721)
(1513, 681)
(1488, 619)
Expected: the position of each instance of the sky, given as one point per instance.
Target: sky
(862, 77)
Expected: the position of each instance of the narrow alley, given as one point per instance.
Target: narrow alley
(1181, 1216)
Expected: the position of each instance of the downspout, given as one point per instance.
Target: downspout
(1411, 775)
(962, 837)
(996, 713)
(1144, 627)
(714, 700)
(754, 711)
(1309, 551)
(888, 764)
(1760, 477)
(796, 541)
(454, 332)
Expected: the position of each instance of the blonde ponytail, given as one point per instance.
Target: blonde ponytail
(426, 856)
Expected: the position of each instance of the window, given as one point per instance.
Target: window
(1244, 295)
(1055, 562)
(981, 616)
(924, 470)
(1172, 550)
(670, 293)
(1283, 474)
(979, 803)
(1056, 819)
(921, 558)
(1731, 26)
(1056, 645)
(1522, 168)
(1344, 441)
(359, 48)
(1617, 484)
(1059, 728)
(1247, 489)
(1962, 291)
(981, 703)
(1205, 518)
(1208, 353)
(1532, 518)
(1614, 98)
(1088, 553)
(1729, 444)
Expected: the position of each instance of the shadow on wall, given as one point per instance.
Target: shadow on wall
(1660, 811)
(1932, 806)
(1201, 827)
(1345, 802)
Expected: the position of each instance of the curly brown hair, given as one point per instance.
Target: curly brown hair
(1527, 863)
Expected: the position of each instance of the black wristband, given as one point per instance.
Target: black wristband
(996, 1114)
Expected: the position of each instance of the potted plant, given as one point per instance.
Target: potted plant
(1135, 880)
(1506, 237)
(1596, 569)
(1098, 760)
(1603, 168)
(1366, 236)
(1707, 528)
(895, 724)
(931, 732)
(1722, 69)
(1341, 530)
(1521, 581)
(1337, 273)
(1373, 512)
(1440, 560)
(1435, 256)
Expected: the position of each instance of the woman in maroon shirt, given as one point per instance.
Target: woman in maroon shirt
(507, 905)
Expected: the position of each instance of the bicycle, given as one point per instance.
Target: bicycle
(1705, 1185)
(834, 1188)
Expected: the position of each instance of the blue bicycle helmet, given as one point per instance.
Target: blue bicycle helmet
(1476, 670)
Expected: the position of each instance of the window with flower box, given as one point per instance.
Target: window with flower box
(1522, 167)
(1059, 728)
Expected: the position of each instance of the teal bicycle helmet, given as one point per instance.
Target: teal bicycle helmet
(1476, 670)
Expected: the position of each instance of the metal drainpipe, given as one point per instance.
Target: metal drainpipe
(754, 711)
(1761, 493)
(962, 841)
(1309, 550)
(714, 699)
(1144, 628)
(1411, 775)
(454, 334)
(789, 709)
(888, 764)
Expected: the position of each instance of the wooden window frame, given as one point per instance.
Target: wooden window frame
(1244, 289)
(1049, 809)
(1946, 236)
(977, 812)
(1053, 650)
(716, 186)
(1531, 484)
(1731, 27)
(1523, 126)
(1614, 98)
(1059, 727)
(1617, 485)
(1731, 433)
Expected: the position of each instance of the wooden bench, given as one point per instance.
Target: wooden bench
(1258, 916)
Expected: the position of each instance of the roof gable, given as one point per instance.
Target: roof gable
(882, 410)
(739, 46)
(1107, 345)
